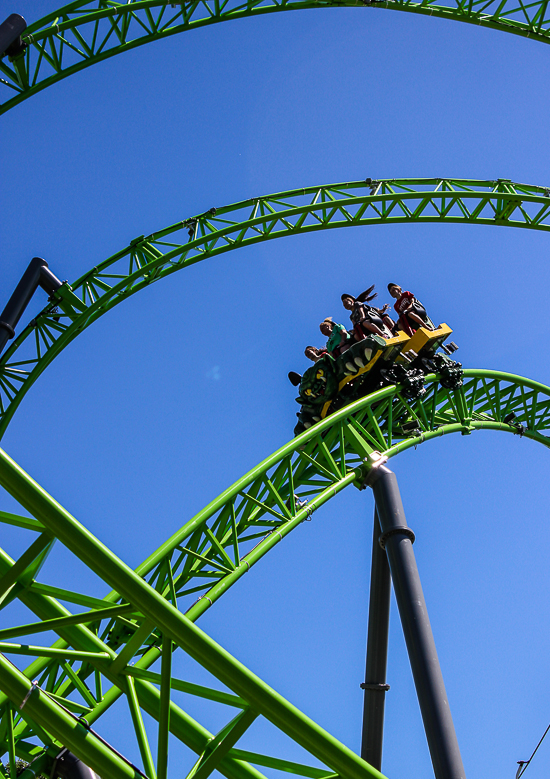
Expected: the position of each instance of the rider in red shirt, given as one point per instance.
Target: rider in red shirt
(412, 313)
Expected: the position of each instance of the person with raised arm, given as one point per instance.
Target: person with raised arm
(365, 318)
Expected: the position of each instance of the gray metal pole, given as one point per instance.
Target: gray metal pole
(10, 35)
(36, 275)
(397, 539)
(377, 653)
(68, 766)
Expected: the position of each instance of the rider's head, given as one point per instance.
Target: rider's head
(394, 290)
(348, 301)
(326, 326)
(312, 353)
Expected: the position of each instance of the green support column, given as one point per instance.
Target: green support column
(487, 400)
(164, 715)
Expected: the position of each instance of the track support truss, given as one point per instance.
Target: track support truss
(120, 646)
(82, 34)
(148, 259)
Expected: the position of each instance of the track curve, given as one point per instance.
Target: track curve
(120, 639)
(81, 34)
(219, 230)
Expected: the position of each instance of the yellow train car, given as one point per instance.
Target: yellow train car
(402, 350)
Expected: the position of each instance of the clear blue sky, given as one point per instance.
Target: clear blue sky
(182, 389)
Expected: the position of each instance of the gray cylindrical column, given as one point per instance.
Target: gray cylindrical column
(397, 539)
(68, 766)
(48, 281)
(10, 35)
(377, 653)
(36, 274)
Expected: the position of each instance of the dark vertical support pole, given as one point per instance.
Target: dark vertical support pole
(37, 275)
(432, 697)
(377, 653)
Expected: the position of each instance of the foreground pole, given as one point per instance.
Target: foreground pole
(397, 539)
(377, 653)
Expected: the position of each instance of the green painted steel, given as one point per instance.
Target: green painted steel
(150, 258)
(151, 612)
(47, 715)
(82, 33)
(209, 554)
(173, 624)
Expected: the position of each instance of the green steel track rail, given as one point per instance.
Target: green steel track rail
(150, 258)
(107, 647)
(82, 33)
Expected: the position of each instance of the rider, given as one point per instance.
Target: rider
(367, 318)
(338, 337)
(412, 313)
(314, 354)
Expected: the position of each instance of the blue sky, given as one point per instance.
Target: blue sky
(182, 389)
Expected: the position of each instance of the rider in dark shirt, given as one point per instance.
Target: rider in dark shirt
(366, 318)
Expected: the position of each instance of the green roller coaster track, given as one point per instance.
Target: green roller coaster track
(117, 639)
(82, 33)
(151, 611)
(123, 645)
(150, 258)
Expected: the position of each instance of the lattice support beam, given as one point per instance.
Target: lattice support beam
(175, 625)
(263, 506)
(82, 34)
(150, 258)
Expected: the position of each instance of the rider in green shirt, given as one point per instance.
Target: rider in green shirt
(338, 336)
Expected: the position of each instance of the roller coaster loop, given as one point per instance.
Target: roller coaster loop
(151, 611)
(150, 258)
(82, 33)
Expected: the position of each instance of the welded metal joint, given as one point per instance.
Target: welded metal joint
(34, 686)
(36, 275)
(366, 474)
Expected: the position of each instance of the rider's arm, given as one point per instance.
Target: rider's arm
(343, 336)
